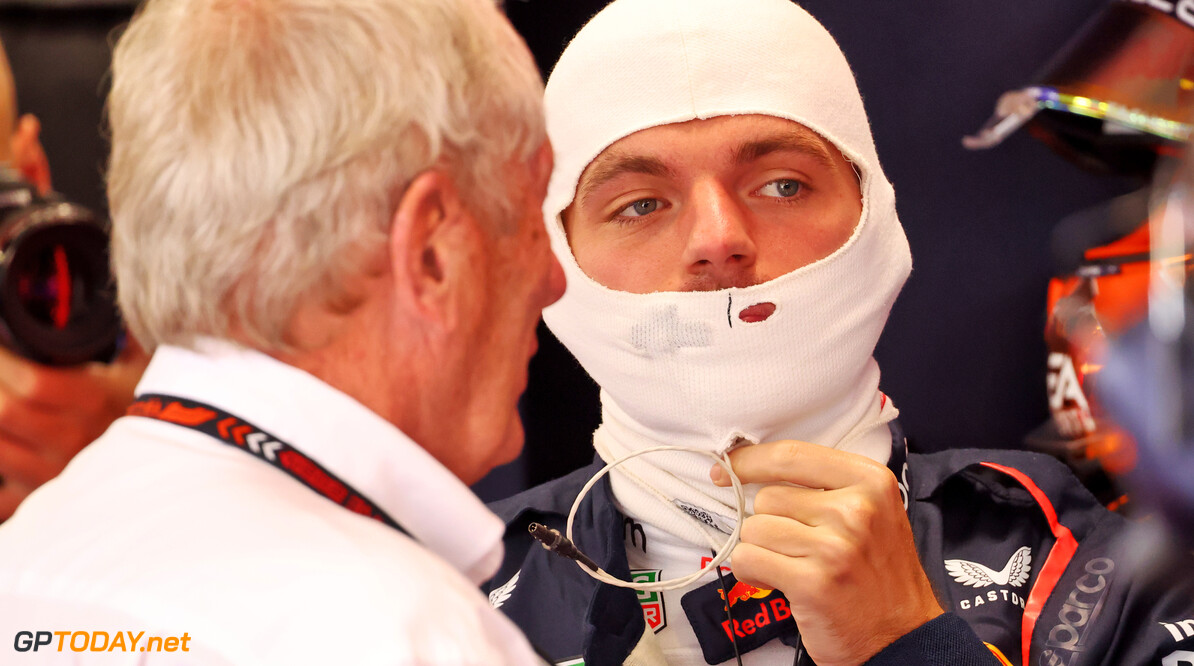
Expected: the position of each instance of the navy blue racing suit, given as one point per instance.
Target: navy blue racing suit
(1013, 544)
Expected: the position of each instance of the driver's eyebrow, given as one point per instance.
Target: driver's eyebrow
(613, 164)
(794, 141)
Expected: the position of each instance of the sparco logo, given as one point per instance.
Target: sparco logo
(1079, 612)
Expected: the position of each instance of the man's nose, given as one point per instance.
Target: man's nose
(720, 245)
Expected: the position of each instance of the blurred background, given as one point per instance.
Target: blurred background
(964, 354)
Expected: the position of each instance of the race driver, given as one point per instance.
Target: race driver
(732, 251)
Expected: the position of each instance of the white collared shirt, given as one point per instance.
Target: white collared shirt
(160, 529)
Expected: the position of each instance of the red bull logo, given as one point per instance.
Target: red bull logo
(729, 613)
(741, 592)
(767, 612)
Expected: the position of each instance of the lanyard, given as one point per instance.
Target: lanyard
(238, 433)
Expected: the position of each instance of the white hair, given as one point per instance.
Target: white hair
(259, 147)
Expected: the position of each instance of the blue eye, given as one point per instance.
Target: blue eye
(640, 208)
(783, 188)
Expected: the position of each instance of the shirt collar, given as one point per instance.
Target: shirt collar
(344, 436)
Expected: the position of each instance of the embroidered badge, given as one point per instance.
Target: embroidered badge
(500, 595)
(652, 602)
(1014, 573)
(755, 616)
(717, 521)
(1003, 583)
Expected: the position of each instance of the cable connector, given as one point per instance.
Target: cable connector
(559, 544)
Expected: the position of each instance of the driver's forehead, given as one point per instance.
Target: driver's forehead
(669, 149)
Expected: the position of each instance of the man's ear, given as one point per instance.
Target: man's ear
(428, 245)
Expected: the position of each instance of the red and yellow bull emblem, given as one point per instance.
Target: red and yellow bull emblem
(741, 592)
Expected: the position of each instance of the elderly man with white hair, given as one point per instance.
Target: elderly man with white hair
(327, 227)
(732, 250)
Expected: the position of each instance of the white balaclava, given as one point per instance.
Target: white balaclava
(682, 368)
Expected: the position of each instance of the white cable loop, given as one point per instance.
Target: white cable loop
(720, 556)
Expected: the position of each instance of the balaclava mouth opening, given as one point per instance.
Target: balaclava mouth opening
(681, 368)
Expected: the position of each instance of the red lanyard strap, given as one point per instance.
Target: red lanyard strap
(238, 433)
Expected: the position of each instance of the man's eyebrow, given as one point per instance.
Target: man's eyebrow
(607, 167)
(800, 142)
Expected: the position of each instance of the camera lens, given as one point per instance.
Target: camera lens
(57, 299)
(47, 292)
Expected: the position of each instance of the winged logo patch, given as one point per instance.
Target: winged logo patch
(499, 595)
(1014, 573)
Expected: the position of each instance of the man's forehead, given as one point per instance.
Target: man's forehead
(740, 139)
